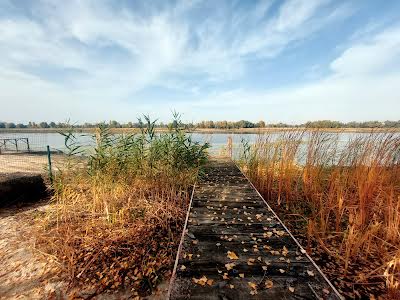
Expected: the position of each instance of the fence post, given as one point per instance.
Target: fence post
(230, 146)
(49, 163)
(27, 143)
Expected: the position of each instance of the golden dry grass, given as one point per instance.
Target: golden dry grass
(348, 193)
(116, 222)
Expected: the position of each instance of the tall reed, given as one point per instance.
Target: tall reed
(347, 190)
(116, 220)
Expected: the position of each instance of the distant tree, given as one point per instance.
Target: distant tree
(52, 125)
(373, 124)
(2, 125)
(10, 125)
(352, 125)
(43, 125)
(209, 124)
(174, 124)
(245, 124)
(221, 124)
(20, 125)
(114, 124)
(261, 124)
(392, 124)
(324, 124)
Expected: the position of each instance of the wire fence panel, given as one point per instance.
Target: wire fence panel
(27, 153)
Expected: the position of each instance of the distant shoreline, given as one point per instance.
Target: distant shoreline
(201, 130)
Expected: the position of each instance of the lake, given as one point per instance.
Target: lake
(39, 141)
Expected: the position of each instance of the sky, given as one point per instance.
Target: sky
(279, 61)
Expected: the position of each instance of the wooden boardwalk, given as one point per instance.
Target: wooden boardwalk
(235, 247)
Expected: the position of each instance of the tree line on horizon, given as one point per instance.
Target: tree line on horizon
(212, 124)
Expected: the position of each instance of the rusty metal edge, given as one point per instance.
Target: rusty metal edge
(291, 235)
(173, 276)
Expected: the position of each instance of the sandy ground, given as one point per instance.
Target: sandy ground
(26, 273)
(28, 163)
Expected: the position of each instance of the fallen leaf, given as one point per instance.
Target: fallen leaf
(291, 289)
(202, 281)
(310, 273)
(267, 234)
(269, 284)
(229, 266)
(285, 251)
(183, 268)
(252, 285)
(241, 275)
(232, 255)
(231, 286)
(282, 271)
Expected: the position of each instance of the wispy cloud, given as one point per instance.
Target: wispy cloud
(364, 83)
(68, 58)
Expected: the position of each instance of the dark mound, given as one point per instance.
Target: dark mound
(21, 188)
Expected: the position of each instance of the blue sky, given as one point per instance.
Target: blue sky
(288, 61)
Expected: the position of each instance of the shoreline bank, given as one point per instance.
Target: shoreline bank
(203, 130)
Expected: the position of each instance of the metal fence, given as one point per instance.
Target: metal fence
(30, 152)
(26, 153)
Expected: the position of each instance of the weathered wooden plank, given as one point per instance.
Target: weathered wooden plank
(228, 215)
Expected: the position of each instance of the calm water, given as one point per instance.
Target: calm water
(56, 140)
(39, 141)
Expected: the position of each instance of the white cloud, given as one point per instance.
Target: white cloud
(371, 56)
(364, 85)
(169, 48)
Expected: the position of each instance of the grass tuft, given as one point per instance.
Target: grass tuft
(115, 221)
(339, 196)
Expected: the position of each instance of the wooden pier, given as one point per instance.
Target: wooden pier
(235, 247)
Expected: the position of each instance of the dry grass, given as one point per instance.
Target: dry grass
(342, 197)
(116, 223)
